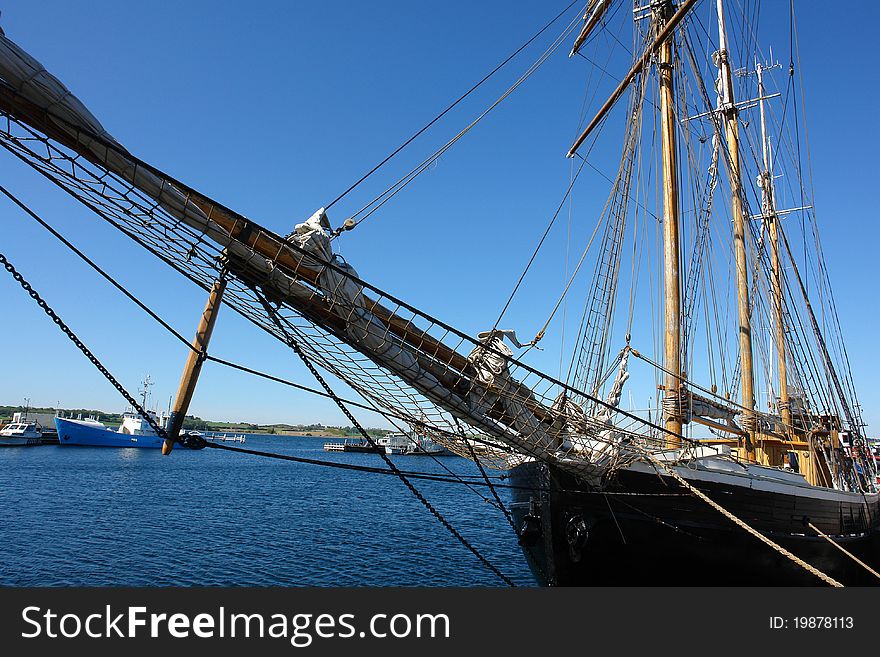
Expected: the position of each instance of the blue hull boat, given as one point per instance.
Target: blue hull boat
(94, 434)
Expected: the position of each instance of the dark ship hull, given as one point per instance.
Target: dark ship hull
(646, 530)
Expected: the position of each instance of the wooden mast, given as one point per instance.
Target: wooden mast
(731, 128)
(194, 365)
(771, 217)
(671, 248)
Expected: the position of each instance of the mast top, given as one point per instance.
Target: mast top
(661, 37)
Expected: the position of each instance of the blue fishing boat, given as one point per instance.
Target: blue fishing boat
(135, 431)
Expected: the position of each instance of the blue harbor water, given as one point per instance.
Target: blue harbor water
(129, 517)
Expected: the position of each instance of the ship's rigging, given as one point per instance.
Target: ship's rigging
(415, 369)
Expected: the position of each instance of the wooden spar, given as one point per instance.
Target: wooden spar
(671, 247)
(599, 9)
(223, 223)
(793, 445)
(731, 129)
(432, 353)
(661, 38)
(771, 217)
(718, 426)
(193, 366)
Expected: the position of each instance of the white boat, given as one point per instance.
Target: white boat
(222, 437)
(21, 433)
(217, 437)
(411, 445)
(395, 443)
(351, 445)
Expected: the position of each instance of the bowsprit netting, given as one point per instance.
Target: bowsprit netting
(402, 361)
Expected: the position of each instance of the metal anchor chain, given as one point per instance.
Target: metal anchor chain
(85, 350)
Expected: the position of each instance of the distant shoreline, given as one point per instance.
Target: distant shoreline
(289, 433)
(193, 423)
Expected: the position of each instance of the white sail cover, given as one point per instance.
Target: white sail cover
(492, 384)
(30, 79)
(595, 436)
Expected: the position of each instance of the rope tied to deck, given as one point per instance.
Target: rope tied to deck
(742, 524)
(844, 550)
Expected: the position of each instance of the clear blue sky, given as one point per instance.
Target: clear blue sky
(273, 108)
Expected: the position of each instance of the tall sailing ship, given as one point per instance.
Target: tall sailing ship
(750, 464)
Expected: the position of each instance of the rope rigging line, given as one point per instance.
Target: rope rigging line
(822, 275)
(94, 266)
(535, 254)
(594, 332)
(625, 192)
(439, 461)
(385, 412)
(382, 411)
(535, 562)
(155, 218)
(743, 525)
(500, 505)
(198, 442)
(493, 489)
(391, 466)
(448, 109)
(566, 197)
(394, 189)
(695, 274)
(160, 431)
(844, 550)
(820, 339)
